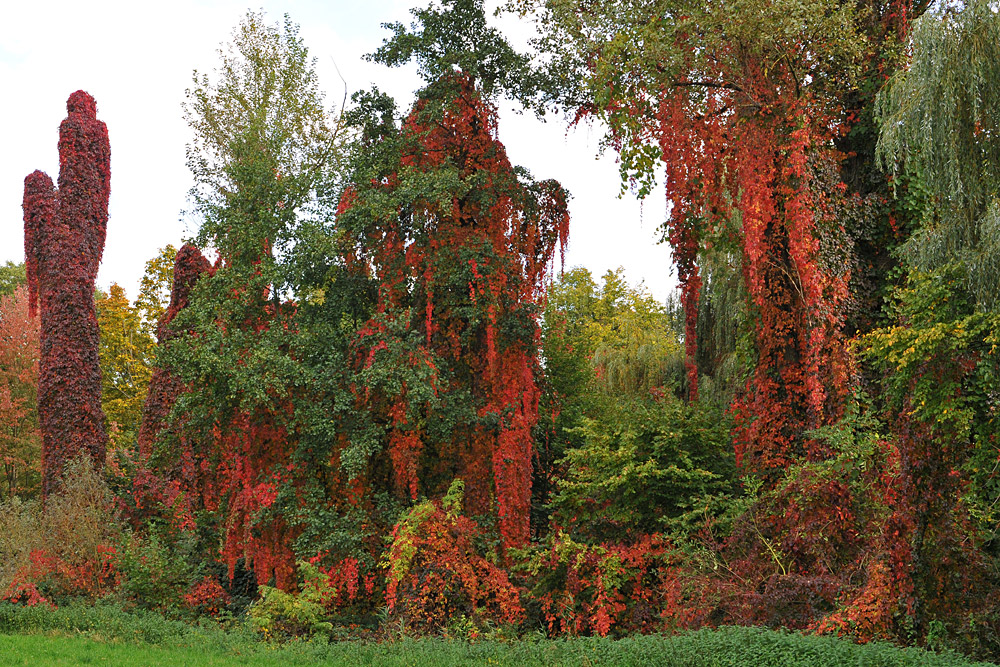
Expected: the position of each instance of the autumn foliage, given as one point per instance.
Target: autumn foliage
(189, 265)
(436, 574)
(599, 589)
(467, 272)
(170, 483)
(381, 411)
(64, 233)
(20, 440)
(762, 167)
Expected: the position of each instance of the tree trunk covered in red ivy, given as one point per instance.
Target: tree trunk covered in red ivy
(64, 234)
(176, 484)
(800, 379)
(236, 469)
(753, 163)
(758, 166)
(164, 386)
(464, 270)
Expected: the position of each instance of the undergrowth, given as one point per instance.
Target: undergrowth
(41, 635)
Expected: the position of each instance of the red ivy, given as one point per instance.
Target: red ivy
(64, 235)
(503, 237)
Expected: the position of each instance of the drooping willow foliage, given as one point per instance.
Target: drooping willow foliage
(939, 113)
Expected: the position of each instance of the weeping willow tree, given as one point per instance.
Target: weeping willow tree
(637, 357)
(725, 328)
(632, 341)
(942, 115)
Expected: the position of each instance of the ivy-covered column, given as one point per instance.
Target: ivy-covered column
(64, 232)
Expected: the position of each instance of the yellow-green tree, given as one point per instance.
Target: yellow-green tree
(12, 276)
(127, 349)
(154, 289)
(631, 341)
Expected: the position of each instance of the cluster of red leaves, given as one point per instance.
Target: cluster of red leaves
(592, 590)
(791, 556)
(238, 468)
(928, 562)
(436, 574)
(247, 478)
(504, 247)
(801, 374)
(346, 582)
(26, 594)
(206, 596)
(164, 386)
(90, 575)
(759, 166)
(176, 491)
(64, 234)
(232, 469)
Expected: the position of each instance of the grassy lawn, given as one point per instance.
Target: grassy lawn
(729, 646)
(104, 634)
(49, 650)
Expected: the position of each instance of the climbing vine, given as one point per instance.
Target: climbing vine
(64, 233)
(461, 254)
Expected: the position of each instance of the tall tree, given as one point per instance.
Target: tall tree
(264, 154)
(473, 303)
(460, 242)
(155, 288)
(126, 353)
(64, 235)
(936, 362)
(940, 114)
(761, 115)
(742, 103)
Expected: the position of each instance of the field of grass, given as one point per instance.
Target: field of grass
(105, 635)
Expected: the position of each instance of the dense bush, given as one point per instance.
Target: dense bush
(280, 613)
(66, 548)
(579, 589)
(159, 571)
(438, 575)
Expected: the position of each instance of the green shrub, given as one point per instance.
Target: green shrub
(728, 646)
(154, 576)
(282, 614)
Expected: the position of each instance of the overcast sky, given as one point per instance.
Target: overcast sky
(136, 59)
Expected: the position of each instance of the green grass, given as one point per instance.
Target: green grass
(49, 650)
(105, 635)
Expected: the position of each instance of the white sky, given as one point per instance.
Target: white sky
(136, 59)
